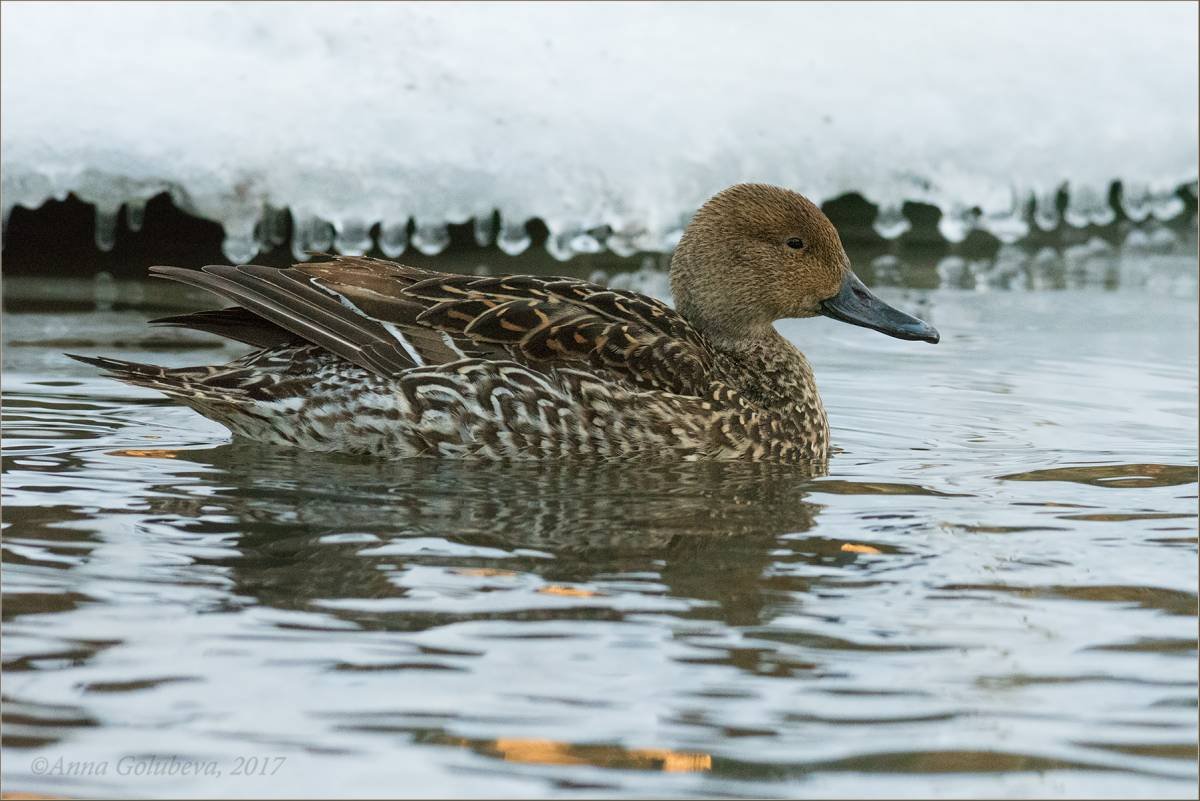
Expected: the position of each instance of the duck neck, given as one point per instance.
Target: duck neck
(766, 369)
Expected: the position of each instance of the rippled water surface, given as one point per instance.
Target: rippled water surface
(992, 592)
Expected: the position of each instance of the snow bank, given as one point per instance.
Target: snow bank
(591, 115)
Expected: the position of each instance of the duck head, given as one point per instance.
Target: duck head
(754, 254)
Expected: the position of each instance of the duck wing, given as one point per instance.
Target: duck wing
(387, 317)
(542, 322)
(286, 299)
(234, 323)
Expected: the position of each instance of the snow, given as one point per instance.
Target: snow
(592, 114)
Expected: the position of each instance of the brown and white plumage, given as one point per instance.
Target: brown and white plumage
(361, 355)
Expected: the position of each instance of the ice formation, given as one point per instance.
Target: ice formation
(609, 122)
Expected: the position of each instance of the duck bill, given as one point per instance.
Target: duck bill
(855, 304)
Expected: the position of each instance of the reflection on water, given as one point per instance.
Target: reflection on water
(1117, 475)
(549, 752)
(993, 591)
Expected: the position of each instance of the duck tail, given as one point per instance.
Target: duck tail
(186, 383)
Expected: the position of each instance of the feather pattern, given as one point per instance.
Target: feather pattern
(366, 356)
(532, 320)
(361, 355)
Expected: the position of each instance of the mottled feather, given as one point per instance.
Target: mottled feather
(362, 355)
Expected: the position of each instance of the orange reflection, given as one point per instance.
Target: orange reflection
(851, 547)
(552, 752)
(145, 453)
(570, 592)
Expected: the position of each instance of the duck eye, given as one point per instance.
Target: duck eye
(795, 243)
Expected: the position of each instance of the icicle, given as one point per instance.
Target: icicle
(1006, 220)
(584, 242)
(106, 227)
(514, 237)
(311, 235)
(622, 243)
(1085, 205)
(891, 222)
(485, 230)
(321, 235)
(1104, 213)
(302, 239)
(956, 223)
(1007, 226)
(571, 241)
(564, 245)
(393, 239)
(274, 227)
(1045, 210)
(353, 238)
(135, 214)
(559, 246)
(239, 245)
(1165, 204)
(1076, 212)
(431, 239)
(239, 248)
(1135, 200)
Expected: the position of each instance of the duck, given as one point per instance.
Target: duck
(360, 355)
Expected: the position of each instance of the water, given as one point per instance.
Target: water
(992, 592)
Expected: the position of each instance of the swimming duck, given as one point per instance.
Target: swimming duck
(361, 355)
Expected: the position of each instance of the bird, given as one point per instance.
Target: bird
(359, 355)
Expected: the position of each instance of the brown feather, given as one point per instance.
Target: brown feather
(287, 301)
(361, 355)
(234, 323)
